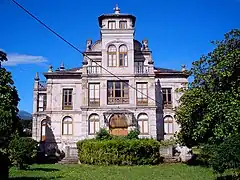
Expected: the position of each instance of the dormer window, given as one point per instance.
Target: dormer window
(123, 24)
(111, 25)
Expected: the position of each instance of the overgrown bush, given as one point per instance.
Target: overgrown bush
(103, 134)
(226, 155)
(4, 164)
(133, 134)
(22, 151)
(119, 152)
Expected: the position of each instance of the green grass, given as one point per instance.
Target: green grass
(163, 171)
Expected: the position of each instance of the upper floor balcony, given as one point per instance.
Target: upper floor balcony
(141, 70)
(94, 70)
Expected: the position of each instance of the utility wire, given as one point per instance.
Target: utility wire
(74, 47)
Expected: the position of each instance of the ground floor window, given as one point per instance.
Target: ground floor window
(168, 125)
(67, 126)
(143, 123)
(43, 129)
(93, 124)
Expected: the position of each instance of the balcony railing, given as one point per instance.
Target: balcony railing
(141, 69)
(42, 86)
(94, 70)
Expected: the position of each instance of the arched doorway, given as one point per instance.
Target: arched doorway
(118, 125)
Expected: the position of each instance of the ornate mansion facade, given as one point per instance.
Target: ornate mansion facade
(117, 88)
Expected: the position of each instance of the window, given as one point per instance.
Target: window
(43, 129)
(111, 25)
(42, 102)
(67, 126)
(167, 97)
(112, 56)
(143, 123)
(168, 125)
(67, 99)
(93, 124)
(94, 94)
(142, 91)
(123, 52)
(123, 24)
(118, 92)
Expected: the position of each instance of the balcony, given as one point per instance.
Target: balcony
(141, 70)
(94, 70)
(42, 86)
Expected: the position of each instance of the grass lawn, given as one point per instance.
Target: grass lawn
(163, 171)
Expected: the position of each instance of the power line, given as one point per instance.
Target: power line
(74, 47)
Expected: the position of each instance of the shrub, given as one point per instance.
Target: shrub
(4, 164)
(133, 134)
(22, 151)
(226, 155)
(119, 152)
(103, 134)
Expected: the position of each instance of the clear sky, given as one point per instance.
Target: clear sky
(179, 32)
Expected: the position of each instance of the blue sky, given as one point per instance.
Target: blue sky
(179, 32)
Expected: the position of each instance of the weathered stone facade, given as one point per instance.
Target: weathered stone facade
(117, 82)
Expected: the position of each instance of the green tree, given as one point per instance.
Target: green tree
(210, 108)
(8, 108)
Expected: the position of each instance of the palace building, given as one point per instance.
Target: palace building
(117, 87)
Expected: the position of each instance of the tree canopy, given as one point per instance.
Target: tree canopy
(209, 110)
(8, 104)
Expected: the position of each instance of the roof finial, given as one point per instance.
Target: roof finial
(62, 66)
(36, 77)
(50, 68)
(116, 9)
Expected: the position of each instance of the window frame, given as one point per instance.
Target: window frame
(94, 102)
(142, 129)
(168, 122)
(165, 92)
(67, 123)
(140, 101)
(122, 22)
(111, 24)
(44, 102)
(69, 104)
(112, 54)
(94, 120)
(111, 93)
(123, 54)
(43, 125)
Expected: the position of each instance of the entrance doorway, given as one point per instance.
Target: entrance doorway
(118, 125)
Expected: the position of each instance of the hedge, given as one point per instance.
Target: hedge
(119, 152)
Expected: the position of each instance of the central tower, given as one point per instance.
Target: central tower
(117, 36)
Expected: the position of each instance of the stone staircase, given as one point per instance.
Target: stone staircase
(69, 160)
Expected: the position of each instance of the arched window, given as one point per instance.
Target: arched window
(43, 129)
(67, 126)
(112, 56)
(143, 123)
(123, 53)
(93, 124)
(168, 125)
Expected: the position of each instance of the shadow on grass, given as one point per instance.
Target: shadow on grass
(228, 177)
(34, 178)
(43, 169)
(196, 160)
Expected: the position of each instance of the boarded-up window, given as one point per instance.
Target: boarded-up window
(93, 124)
(143, 123)
(43, 130)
